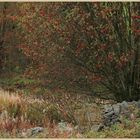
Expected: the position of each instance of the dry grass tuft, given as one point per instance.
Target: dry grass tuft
(9, 98)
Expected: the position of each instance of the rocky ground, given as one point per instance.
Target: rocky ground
(23, 116)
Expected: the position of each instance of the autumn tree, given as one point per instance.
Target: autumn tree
(105, 41)
(100, 37)
(11, 57)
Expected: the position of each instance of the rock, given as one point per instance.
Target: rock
(107, 122)
(124, 106)
(109, 114)
(116, 120)
(97, 128)
(138, 104)
(113, 113)
(37, 130)
(33, 131)
(117, 109)
(63, 126)
(107, 108)
(133, 103)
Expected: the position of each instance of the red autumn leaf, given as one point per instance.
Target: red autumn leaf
(13, 18)
(136, 31)
(104, 31)
(136, 17)
(42, 13)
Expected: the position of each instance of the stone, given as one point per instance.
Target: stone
(37, 130)
(109, 114)
(33, 131)
(117, 109)
(138, 104)
(124, 106)
(63, 126)
(97, 128)
(107, 108)
(112, 113)
(115, 120)
(133, 103)
(114, 117)
(107, 123)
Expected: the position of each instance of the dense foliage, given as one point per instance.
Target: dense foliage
(101, 39)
